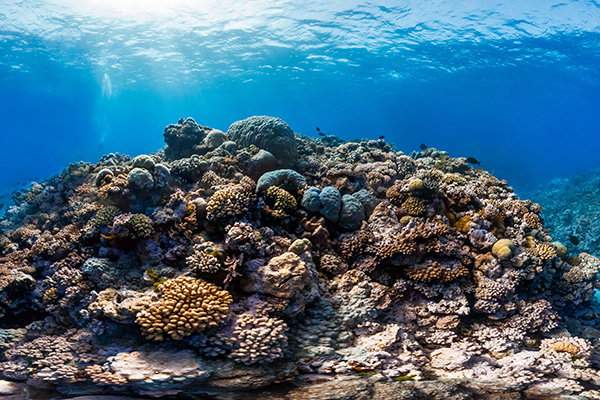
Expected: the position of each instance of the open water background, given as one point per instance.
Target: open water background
(515, 84)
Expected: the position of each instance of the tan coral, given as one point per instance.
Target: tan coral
(101, 377)
(258, 339)
(186, 305)
(281, 202)
(204, 258)
(142, 226)
(436, 272)
(566, 347)
(414, 206)
(532, 220)
(210, 179)
(546, 251)
(396, 196)
(232, 201)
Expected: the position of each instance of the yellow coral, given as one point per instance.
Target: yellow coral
(503, 248)
(186, 305)
(414, 206)
(546, 251)
(565, 347)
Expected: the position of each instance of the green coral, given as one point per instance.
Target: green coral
(142, 226)
(281, 203)
(106, 215)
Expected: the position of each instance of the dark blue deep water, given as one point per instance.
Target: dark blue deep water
(514, 84)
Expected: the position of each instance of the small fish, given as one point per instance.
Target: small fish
(382, 137)
(574, 239)
(423, 146)
(318, 130)
(473, 160)
(321, 133)
(1, 206)
(100, 147)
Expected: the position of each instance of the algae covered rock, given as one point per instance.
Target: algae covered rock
(260, 163)
(267, 133)
(182, 137)
(140, 178)
(144, 161)
(215, 138)
(283, 277)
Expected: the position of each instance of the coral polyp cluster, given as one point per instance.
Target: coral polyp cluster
(186, 305)
(264, 255)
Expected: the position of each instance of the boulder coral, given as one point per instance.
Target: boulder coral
(267, 133)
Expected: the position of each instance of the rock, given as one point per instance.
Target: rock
(260, 163)
(142, 365)
(449, 359)
(214, 139)
(8, 388)
(267, 133)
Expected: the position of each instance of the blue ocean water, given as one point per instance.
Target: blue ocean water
(514, 84)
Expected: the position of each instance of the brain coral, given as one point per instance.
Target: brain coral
(352, 214)
(186, 305)
(268, 133)
(287, 179)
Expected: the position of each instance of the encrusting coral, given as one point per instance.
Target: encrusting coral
(336, 259)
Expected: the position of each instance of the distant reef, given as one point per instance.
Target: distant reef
(258, 263)
(571, 210)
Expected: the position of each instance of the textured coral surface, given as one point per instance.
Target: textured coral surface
(304, 265)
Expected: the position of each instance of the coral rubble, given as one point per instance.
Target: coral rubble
(258, 256)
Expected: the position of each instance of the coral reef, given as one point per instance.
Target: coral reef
(570, 208)
(230, 262)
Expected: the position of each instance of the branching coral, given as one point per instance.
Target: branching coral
(186, 305)
(205, 258)
(258, 339)
(230, 202)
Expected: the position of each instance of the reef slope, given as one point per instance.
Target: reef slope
(231, 262)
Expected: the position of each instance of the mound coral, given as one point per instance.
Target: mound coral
(186, 305)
